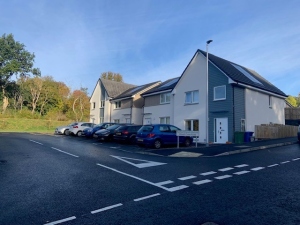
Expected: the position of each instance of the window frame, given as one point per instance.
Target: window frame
(102, 103)
(243, 125)
(223, 98)
(93, 105)
(192, 93)
(192, 125)
(118, 105)
(164, 97)
(165, 120)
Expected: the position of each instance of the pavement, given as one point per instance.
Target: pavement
(222, 149)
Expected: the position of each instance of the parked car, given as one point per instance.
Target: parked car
(90, 131)
(78, 127)
(63, 129)
(126, 133)
(157, 135)
(106, 134)
(299, 133)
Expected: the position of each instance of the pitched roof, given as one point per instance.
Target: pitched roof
(167, 85)
(132, 91)
(242, 74)
(114, 88)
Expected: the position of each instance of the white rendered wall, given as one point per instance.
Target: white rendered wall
(258, 110)
(194, 78)
(155, 112)
(94, 113)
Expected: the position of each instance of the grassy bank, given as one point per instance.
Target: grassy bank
(30, 125)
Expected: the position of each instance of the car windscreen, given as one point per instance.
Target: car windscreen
(146, 128)
(113, 127)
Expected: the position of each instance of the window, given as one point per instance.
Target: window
(118, 105)
(243, 125)
(270, 101)
(164, 120)
(101, 119)
(220, 93)
(127, 120)
(102, 103)
(192, 97)
(164, 128)
(117, 120)
(93, 105)
(165, 98)
(192, 125)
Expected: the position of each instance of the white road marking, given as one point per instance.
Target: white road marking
(64, 152)
(164, 182)
(187, 178)
(295, 159)
(242, 165)
(208, 173)
(273, 165)
(146, 197)
(143, 180)
(241, 172)
(36, 142)
(285, 162)
(226, 169)
(114, 147)
(223, 177)
(106, 208)
(61, 221)
(257, 168)
(202, 182)
(177, 188)
(144, 164)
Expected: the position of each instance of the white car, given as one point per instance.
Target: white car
(78, 127)
(63, 129)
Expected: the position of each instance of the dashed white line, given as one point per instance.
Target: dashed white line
(202, 182)
(177, 188)
(146, 197)
(164, 182)
(208, 173)
(106, 208)
(187, 178)
(241, 172)
(36, 142)
(242, 165)
(64, 152)
(61, 221)
(257, 168)
(273, 165)
(296, 159)
(285, 162)
(226, 169)
(223, 177)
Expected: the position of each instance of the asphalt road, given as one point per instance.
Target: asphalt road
(46, 179)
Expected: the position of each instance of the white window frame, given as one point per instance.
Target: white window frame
(193, 101)
(93, 105)
(223, 98)
(192, 124)
(102, 103)
(165, 120)
(165, 98)
(116, 120)
(118, 105)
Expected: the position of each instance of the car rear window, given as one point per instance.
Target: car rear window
(146, 128)
(113, 127)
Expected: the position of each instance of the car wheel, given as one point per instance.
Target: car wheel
(157, 144)
(79, 133)
(187, 142)
(66, 132)
(132, 140)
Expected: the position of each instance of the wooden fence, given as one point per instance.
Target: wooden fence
(272, 131)
(292, 113)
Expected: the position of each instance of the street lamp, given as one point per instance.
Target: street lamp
(207, 116)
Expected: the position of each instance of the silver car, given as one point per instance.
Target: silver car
(63, 129)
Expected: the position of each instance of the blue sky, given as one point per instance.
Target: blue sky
(150, 40)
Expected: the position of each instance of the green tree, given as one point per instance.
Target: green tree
(112, 76)
(292, 100)
(14, 60)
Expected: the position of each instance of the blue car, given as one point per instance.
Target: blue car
(157, 135)
(89, 132)
(299, 133)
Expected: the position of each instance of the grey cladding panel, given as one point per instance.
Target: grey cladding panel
(152, 100)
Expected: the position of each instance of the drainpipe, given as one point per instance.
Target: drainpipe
(131, 110)
(233, 108)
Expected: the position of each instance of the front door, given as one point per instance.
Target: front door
(221, 130)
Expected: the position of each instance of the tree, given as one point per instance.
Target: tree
(80, 105)
(292, 100)
(14, 60)
(112, 76)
